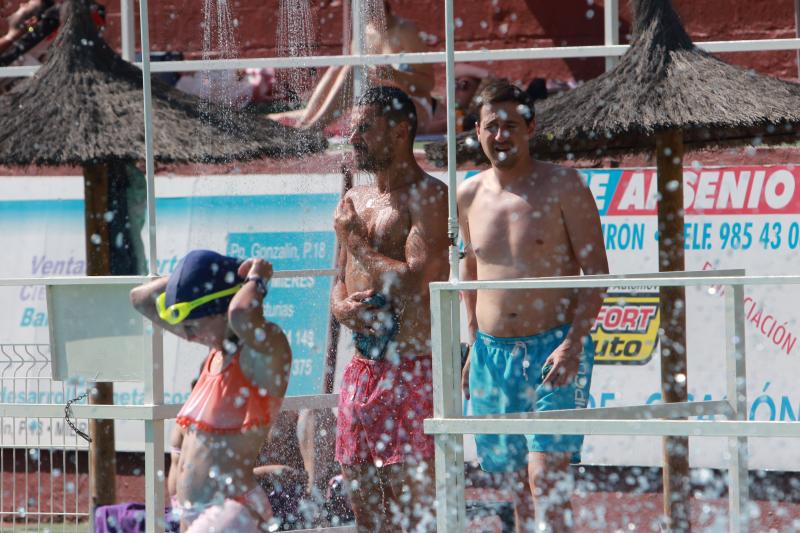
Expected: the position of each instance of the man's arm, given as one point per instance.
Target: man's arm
(469, 264)
(425, 246)
(468, 270)
(347, 308)
(586, 237)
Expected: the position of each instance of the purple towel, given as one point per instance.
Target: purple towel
(126, 518)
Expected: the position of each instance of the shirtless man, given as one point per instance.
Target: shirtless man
(393, 237)
(384, 33)
(532, 351)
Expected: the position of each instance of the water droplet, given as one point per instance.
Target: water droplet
(108, 216)
(590, 14)
(680, 378)
(213, 472)
(459, 22)
(96, 239)
(484, 24)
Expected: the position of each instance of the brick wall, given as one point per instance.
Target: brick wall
(177, 25)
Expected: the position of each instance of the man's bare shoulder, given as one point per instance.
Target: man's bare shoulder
(560, 174)
(469, 188)
(430, 192)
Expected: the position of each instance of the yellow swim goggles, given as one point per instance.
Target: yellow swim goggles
(177, 312)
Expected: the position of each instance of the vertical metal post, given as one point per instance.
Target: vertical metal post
(357, 49)
(154, 373)
(449, 449)
(152, 262)
(127, 31)
(450, 62)
(735, 374)
(797, 30)
(611, 29)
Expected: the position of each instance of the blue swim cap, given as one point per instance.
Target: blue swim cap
(203, 272)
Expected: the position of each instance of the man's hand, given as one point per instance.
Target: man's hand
(564, 363)
(346, 221)
(355, 314)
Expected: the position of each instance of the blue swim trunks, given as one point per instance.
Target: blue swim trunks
(505, 376)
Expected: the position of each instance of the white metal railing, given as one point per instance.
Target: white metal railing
(449, 424)
(46, 488)
(611, 51)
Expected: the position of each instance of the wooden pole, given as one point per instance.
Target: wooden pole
(674, 379)
(102, 454)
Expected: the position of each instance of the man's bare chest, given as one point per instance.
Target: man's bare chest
(515, 226)
(387, 224)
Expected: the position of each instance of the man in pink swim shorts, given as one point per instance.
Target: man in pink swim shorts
(393, 236)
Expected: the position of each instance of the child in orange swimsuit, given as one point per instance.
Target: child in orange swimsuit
(217, 301)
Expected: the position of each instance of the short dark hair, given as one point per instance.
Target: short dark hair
(394, 104)
(501, 91)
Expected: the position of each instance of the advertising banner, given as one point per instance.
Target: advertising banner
(736, 218)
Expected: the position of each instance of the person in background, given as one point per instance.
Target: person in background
(531, 349)
(385, 33)
(468, 79)
(217, 301)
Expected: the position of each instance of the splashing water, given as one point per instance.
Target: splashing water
(372, 33)
(295, 39)
(219, 42)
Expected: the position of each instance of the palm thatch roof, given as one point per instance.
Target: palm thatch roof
(85, 104)
(663, 82)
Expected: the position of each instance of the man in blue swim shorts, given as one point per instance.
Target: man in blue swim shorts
(532, 351)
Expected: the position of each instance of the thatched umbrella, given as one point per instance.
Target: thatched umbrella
(85, 107)
(665, 94)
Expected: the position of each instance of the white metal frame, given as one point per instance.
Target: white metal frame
(449, 454)
(449, 425)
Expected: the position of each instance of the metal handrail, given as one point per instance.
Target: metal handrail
(448, 424)
(508, 54)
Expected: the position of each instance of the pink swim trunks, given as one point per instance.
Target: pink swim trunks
(382, 405)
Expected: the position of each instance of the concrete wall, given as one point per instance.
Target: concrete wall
(176, 25)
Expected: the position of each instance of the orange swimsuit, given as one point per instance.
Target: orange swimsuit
(226, 402)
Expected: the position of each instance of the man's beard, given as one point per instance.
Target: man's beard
(369, 163)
